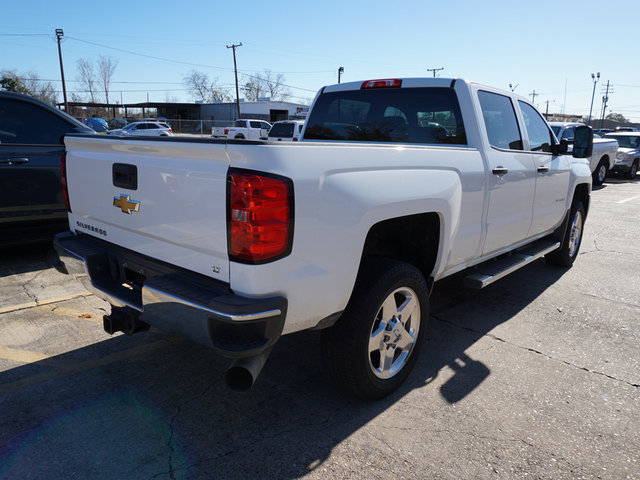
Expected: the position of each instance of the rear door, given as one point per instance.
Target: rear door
(511, 173)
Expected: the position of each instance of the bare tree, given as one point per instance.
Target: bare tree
(106, 69)
(275, 85)
(204, 90)
(87, 77)
(266, 84)
(30, 84)
(254, 88)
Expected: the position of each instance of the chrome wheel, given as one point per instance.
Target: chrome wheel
(602, 173)
(576, 233)
(394, 333)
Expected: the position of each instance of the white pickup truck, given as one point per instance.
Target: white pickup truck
(395, 184)
(604, 150)
(244, 129)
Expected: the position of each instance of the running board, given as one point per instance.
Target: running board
(488, 272)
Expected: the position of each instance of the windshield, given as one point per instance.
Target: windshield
(400, 115)
(282, 130)
(626, 141)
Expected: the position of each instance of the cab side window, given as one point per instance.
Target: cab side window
(500, 121)
(24, 123)
(539, 132)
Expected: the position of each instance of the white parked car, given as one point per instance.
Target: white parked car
(144, 128)
(286, 131)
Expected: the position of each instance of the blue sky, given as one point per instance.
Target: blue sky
(551, 47)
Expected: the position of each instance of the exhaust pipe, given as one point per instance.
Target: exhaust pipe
(243, 372)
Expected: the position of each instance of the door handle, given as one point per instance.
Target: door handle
(500, 171)
(14, 161)
(543, 169)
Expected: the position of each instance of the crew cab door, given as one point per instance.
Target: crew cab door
(552, 172)
(511, 176)
(30, 152)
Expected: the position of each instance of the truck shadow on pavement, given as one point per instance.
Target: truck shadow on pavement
(165, 412)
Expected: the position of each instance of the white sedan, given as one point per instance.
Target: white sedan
(144, 128)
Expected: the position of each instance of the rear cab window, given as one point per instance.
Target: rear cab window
(284, 130)
(427, 115)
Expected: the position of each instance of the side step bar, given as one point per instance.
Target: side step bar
(488, 272)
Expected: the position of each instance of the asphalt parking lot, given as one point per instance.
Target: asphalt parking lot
(536, 376)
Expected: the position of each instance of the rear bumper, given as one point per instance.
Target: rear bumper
(171, 299)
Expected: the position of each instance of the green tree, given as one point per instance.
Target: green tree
(29, 84)
(617, 117)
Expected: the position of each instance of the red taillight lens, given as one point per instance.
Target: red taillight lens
(226, 131)
(260, 216)
(384, 83)
(295, 139)
(63, 181)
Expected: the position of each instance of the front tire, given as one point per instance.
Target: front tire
(374, 346)
(568, 251)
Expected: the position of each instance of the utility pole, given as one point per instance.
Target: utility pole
(605, 100)
(340, 72)
(533, 96)
(235, 68)
(595, 80)
(434, 70)
(59, 35)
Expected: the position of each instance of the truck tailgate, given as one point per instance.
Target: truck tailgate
(161, 198)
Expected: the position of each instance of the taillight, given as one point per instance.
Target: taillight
(295, 139)
(384, 83)
(226, 131)
(260, 216)
(63, 181)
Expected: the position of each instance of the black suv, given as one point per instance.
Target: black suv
(31, 132)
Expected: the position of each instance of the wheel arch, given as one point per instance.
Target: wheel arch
(582, 193)
(414, 239)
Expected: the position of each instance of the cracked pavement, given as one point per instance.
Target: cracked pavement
(536, 376)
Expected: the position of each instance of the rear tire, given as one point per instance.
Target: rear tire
(374, 345)
(600, 173)
(239, 137)
(631, 174)
(568, 251)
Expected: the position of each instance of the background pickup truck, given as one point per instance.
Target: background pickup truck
(245, 129)
(31, 132)
(604, 150)
(396, 183)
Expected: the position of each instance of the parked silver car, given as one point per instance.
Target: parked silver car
(144, 128)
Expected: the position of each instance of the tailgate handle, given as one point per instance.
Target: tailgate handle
(125, 176)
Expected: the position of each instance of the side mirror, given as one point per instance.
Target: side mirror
(560, 148)
(583, 142)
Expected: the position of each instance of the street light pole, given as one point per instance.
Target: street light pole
(595, 80)
(59, 35)
(340, 72)
(235, 68)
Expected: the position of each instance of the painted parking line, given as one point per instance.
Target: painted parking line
(628, 199)
(49, 301)
(23, 356)
(86, 365)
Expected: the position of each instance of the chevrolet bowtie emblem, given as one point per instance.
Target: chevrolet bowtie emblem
(125, 204)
